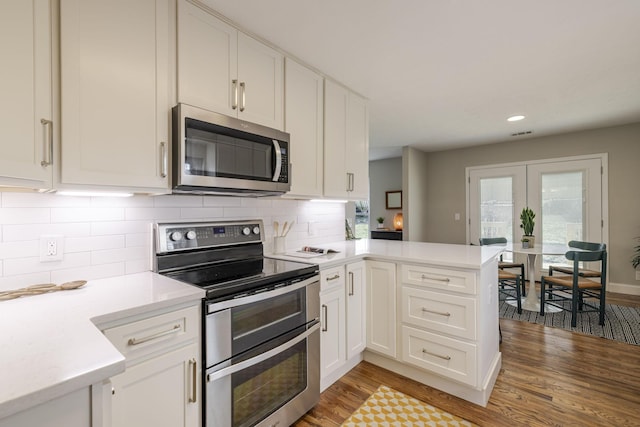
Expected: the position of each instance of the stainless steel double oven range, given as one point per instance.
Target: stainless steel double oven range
(261, 321)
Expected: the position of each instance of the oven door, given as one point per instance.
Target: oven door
(273, 384)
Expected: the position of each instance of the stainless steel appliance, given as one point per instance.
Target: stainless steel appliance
(261, 321)
(217, 154)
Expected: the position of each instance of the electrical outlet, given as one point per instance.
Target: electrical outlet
(51, 248)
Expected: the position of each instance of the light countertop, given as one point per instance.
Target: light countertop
(51, 345)
(438, 254)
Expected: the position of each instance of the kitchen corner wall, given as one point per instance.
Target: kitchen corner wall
(106, 237)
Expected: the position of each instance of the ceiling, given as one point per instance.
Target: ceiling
(443, 74)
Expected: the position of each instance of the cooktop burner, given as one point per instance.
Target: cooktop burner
(226, 259)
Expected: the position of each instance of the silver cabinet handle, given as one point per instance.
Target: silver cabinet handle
(436, 355)
(278, 166)
(351, 181)
(334, 277)
(136, 341)
(194, 375)
(350, 283)
(163, 159)
(437, 279)
(47, 154)
(242, 96)
(324, 318)
(441, 313)
(234, 90)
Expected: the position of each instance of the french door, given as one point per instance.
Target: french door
(567, 196)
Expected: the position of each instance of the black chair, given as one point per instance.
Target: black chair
(506, 264)
(554, 290)
(582, 272)
(509, 284)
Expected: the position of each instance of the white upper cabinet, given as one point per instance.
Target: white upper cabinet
(116, 92)
(223, 70)
(304, 119)
(26, 130)
(346, 143)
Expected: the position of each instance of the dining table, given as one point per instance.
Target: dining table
(532, 300)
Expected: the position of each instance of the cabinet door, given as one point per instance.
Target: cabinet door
(381, 307)
(335, 136)
(25, 85)
(261, 83)
(207, 60)
(357, 147)
(304, 119)
(332, 336)
(116, 89)
(355, 306)
(162, 391)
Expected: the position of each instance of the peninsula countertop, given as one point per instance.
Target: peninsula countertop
(51, 345)
(442, 254)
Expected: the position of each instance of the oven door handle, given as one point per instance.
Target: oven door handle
(221, 305)
(264, 356)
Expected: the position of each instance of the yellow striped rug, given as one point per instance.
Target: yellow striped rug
(388, 407)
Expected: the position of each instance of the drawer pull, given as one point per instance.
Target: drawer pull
(136, 341)
(194, 376)
(441, 313)
(436, 355)
(324, 323)
(445, 280)
(334, 277)
(350, 284)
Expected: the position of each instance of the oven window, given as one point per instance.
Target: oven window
(262, 321)
(261, 389)
(212, 150)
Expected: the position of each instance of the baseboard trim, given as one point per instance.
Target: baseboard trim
(623, 288)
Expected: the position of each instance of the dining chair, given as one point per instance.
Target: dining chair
(582, 272)
(558, 290)
(506, 264)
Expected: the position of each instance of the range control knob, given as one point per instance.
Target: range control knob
(256, 230)
(176, 236)
(246, 231)
(190, 235)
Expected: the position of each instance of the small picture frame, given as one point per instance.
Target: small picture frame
(393, 199)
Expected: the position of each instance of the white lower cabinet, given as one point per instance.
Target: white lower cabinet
(355, 306)
(161, 385)
(332, 318)
(381, 307)
(159, 392)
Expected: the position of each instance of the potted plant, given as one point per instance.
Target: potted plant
(526, 217)
(380, 220)
(525, 242)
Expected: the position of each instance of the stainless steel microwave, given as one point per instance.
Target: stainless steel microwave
(217, 154)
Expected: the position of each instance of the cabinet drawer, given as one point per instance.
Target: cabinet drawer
(143, 337)
(450, 314)
(331, 278)
(444, 356)
(439, 278)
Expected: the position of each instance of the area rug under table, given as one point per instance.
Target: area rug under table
(620, 323)
(388, 407)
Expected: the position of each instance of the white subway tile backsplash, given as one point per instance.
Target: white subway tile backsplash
(93, 243)
(34, 231)
(17, 266)
(86, 214)
(19, 249)
(106, 237)
(24, 215)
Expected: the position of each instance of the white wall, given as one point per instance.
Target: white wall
(106, 237)
(415, 179)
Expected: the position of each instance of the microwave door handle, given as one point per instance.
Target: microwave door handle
(278, 167)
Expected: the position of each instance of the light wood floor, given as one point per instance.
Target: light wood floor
(549, 377)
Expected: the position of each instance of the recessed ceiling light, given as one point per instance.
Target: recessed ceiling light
(515, 118)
